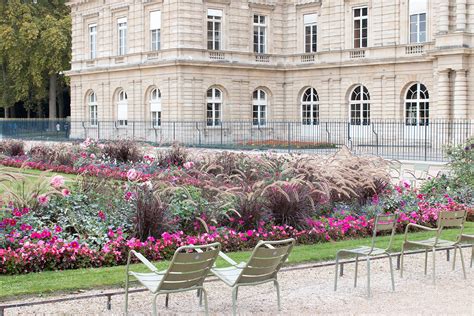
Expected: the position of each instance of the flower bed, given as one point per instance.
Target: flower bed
(165, 200)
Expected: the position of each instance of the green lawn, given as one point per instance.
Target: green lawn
(82, 279)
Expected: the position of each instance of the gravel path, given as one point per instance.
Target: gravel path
(307, 292)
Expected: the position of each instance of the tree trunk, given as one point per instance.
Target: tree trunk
(52, 96)
(61, 100)
(28, 113)
(6, 112)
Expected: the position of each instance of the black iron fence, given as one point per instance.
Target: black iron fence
(391, 139)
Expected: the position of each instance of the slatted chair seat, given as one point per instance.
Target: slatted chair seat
(149, 280)
(446, 219)
(188, 269)
(266, 260)
(382, 223)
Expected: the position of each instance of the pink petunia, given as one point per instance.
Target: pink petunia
(57, 181)
(43, 199)
(65, 192)
(132, 174)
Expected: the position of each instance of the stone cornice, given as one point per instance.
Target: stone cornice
(264, 4)
(308, 3)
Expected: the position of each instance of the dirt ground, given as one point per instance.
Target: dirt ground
(307, 292)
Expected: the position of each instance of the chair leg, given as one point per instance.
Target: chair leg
(155, 313)
(462, 262)
(401, 261)
(167, 299)
(126, 295)
(234, 301)
(368, 276)
(202, 293)
(434, 265)
(335, 275)
(426, 262)
(277, 286)
(472, 254)
(199, 293)
(454, 258)
(356, 270)
(391, 271)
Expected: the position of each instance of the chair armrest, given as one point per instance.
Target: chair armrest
(227, 258)
(269, 246)
(417, 226)
(144, 260)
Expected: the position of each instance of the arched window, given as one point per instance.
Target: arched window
(214, 107)
(310, 107)
(417, 105)
(92, 103)
(360, 106)
(259, 108)
(122, 108)
(155, 107)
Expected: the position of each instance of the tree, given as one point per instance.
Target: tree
(35, 48)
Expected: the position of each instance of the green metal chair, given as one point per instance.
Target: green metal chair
(446, 219)
(266, 260)
(188, 269)
(382, 223)
(465, 240)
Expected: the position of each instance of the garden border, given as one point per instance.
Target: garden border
(301, 267)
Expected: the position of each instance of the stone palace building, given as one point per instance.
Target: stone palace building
(260, 61)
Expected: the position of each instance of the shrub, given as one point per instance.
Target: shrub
(175, 156)
(123, 150)
(12, 148)
(151, 214)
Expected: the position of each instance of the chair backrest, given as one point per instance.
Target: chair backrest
(385, 223)
(190, 266)
(451, 219)
(266, 260)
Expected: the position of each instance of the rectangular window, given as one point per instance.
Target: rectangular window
(418, 14)
(310, 33)
(259, 34)
(122, 36)
(155, 30)
(361, 22)
(156, 118)
(93, 114)
(214, 29)
(93, 40)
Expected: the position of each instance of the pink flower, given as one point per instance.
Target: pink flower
(101, 215)
(74, 244)
(92, 156)
(65, 192)
(132, 174)
(43, 199)
(188, 165)
(249, 233)
(57, 181)
(58, 229)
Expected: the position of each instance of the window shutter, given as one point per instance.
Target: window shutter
(155, 20)
(310, 18)
(418, 6)
(122, 111)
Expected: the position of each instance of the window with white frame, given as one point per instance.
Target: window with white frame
(122, 36)
(155, 107)
(92, 103)
(360, 106)
(310, 107)
(361, 26)
(259, 108)
(417, 105)
(93, 40)
(214, 107)
(122, 108)
(155, 30)
(214, 29)
(260, 34)
(310, 33)
(418, 9)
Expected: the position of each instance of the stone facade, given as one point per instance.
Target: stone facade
(184, 69)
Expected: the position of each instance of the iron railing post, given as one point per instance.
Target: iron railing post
(289, 137)
(174, 131)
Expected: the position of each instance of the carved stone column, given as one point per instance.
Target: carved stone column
(461, 12)
(460, 95)
(444, 95)
(443, 16)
